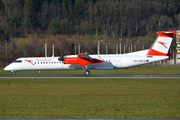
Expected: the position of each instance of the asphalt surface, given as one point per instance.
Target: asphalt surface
(89, 76)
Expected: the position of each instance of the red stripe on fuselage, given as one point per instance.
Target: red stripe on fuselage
(153, 52)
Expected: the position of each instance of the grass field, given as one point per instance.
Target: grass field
(90, 98)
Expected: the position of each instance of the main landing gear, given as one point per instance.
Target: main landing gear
(13, 72)
(87, 72)
(85, 68)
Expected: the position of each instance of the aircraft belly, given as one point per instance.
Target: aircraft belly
(71, 66)
(103, 65)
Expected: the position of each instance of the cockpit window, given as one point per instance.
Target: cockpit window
(17, 61)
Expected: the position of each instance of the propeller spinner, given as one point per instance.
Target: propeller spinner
(61, 58)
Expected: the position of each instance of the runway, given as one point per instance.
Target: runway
(89, 76)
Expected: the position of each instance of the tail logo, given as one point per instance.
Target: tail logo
(162, 43)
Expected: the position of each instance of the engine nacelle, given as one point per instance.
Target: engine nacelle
(81, 61)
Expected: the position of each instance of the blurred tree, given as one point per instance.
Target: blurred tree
(54, 27)
(33, 10)
(3, 37)
(2, 8)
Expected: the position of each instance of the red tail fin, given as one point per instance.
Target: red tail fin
(162, 43)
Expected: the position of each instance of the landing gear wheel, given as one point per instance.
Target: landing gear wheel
(85, 68)
(87, 72)
(13, 73)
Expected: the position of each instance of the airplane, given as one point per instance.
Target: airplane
(157, 52)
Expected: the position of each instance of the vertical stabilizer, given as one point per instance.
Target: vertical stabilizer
(162, 43)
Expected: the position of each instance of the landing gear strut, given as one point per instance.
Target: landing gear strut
(85, 68)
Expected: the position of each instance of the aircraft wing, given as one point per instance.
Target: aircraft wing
(81, 59)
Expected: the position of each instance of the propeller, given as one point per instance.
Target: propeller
(61, 58)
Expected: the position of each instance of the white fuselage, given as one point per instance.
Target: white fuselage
(112, 61)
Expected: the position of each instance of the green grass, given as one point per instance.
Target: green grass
(90, 98)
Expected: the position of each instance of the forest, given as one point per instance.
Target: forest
(25, 25)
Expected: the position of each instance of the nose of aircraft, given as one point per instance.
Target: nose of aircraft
(7, 68)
